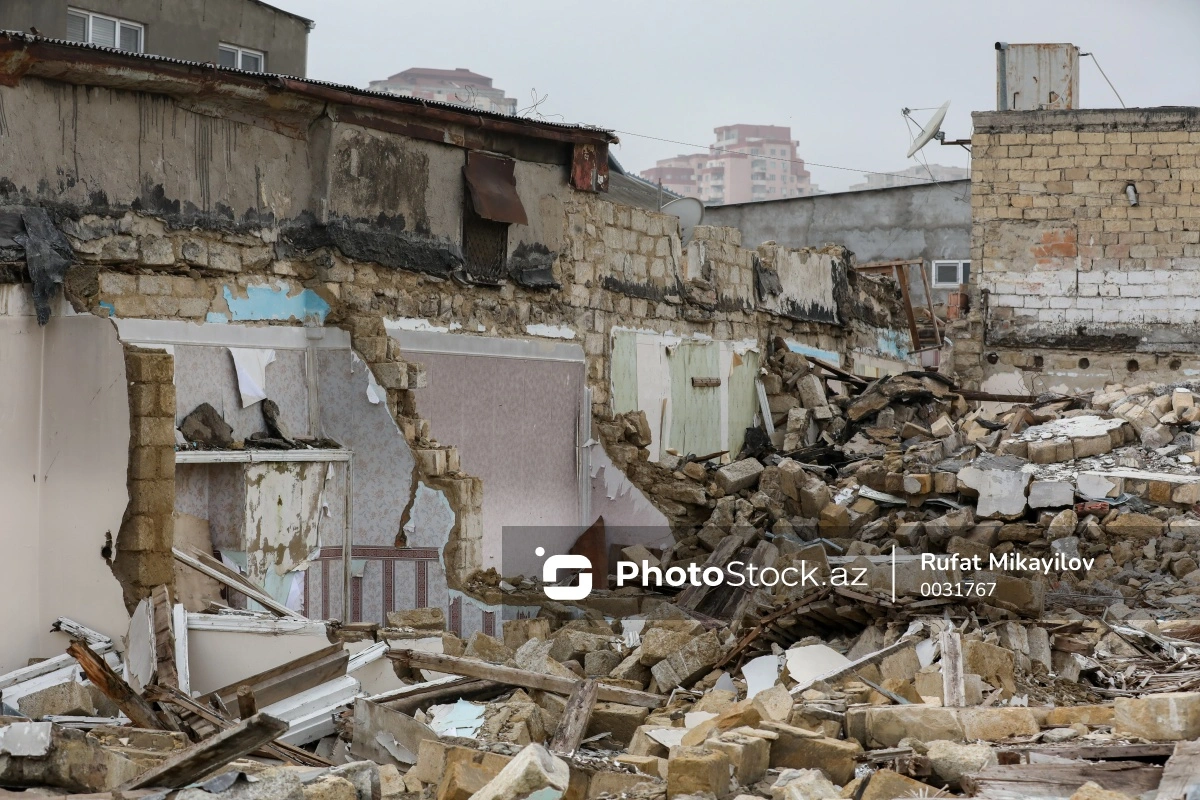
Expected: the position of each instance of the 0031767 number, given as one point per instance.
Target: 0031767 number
(970, 589)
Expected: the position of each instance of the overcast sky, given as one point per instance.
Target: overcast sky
(836, 71)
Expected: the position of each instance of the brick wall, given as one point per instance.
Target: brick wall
(1061, 261)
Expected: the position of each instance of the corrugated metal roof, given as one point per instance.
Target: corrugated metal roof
(266, 76)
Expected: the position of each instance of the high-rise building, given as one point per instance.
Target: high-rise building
(459, 86)
(745, 164)
(911, 176)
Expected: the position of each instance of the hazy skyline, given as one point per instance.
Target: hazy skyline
(662, 71)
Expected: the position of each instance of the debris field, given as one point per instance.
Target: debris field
(992, 597)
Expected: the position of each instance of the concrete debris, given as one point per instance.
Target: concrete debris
(942, 592)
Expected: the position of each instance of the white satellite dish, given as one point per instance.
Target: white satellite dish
(690, 212)
(931, 131)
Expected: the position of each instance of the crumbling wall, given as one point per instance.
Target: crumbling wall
(252, 239)
(1072, 285)
(143, 547)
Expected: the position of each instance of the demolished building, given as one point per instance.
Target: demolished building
(278, 344)
(368, 265)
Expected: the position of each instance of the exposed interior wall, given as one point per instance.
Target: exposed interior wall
(514, 408)
(296, 239)
(64, 432)
(897, 223)
(1074, 286)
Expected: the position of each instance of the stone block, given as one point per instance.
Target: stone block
(422, 619)
(487, 648)
(660, 643)
(1087, 715)
(997, 724)
(67, 698)
(811, 391)
(600, 663)
(887, 785)
(696, 770)
(802, 784)
(1168, 717)
(647, 765)
(519, 631)
(688, 663)
(534, 772)
(951, 760)
(749, 755)
(886, 726)
(619, 720)
(796, 748)
(739, 475)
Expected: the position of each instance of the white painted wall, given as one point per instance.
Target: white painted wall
(64, 436)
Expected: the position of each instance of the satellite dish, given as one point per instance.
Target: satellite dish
(931, 131)
(690, 212)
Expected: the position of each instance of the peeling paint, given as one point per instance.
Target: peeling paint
(274, 303)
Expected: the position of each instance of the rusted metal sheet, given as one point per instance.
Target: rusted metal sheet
(589, 167)
(493, 187)
(1035, 77)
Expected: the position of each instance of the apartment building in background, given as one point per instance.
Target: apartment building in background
(242, 34)
(912, 176)
(460, 86)
(746, 163)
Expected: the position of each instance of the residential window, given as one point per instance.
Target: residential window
(951, 274)
(89, 28)
(230, 55)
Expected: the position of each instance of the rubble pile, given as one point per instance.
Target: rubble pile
(954, 596)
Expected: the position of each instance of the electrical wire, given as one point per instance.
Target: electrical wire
(1106, 80)
(802, 162)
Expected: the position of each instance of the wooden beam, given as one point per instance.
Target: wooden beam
(1024, 781)
(247, 706)
(474, 668)
(214, 569)
(902, 279)
(219, 721)
(290, 678)
(1181, 775)
(954, 689)
(162, 621)
(205, 757)
(574, 722)
(838, 372)
(133, 705)
(933, 320)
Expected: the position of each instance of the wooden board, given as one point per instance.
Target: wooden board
(1181, 775)
(205, 757)
(1027, 781)
(575, 719)
(475, 668)
(116, 689)
(288, 679)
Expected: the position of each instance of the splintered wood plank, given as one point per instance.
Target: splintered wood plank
(575, 718)
(456, 665)
(162, 619)
(132, 704)
(205, 757)
(1181, 775)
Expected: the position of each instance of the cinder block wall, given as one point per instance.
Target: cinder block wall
(1073, 286)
